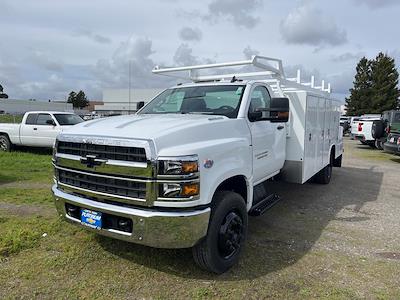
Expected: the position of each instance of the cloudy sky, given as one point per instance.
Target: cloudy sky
(48, 48)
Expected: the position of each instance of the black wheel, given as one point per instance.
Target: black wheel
(324, 176)
(337, 162)
(5, 144)
(378, 144)
(226, 235)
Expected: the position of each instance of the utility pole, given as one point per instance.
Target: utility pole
(129, 110)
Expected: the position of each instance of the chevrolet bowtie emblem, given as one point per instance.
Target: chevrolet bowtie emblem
(92, 161)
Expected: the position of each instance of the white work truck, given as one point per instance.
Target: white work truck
(191, 165)
(37, 129)
(362, 130)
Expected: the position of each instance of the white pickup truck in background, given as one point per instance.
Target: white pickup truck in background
(362, 129)
(37, 129)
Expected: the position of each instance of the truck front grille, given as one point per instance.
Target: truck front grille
(131, 154)
(100, 184)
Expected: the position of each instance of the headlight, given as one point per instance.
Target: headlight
(185, 165)
(179, 190)
(179, 177)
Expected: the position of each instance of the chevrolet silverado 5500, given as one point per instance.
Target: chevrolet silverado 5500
(192, 164)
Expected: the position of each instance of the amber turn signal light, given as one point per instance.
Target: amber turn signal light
(189, 167)
(192, 189)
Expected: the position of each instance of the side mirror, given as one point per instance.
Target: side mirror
(255, 116)
(279, 110)
(139, 105)
(51, 122)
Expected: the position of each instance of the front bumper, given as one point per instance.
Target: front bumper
(152, 228)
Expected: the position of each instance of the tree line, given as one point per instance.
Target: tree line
(78, 100)
(2, 94)
(375, 86)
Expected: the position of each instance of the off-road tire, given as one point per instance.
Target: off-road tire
(212, 253)
(5, 144)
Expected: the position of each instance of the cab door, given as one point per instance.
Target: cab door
(40, 130)
(46, 130)
(28, 130)
(268, 139)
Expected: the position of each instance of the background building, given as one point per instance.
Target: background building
(12, 106)
(122, 101)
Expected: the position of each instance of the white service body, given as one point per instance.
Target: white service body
(312, 134)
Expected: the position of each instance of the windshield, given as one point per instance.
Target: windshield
(214, 100)
(68, 119)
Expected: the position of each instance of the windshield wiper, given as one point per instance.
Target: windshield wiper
(198, 112)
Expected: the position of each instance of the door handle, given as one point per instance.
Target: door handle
(280, 127)
(34, 128)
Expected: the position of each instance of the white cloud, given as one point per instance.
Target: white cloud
(308, 25)
(92, 36)
(239, 12)
(347, 56)
(373, 4)
(249, 52)
(44, 60)
(184, 57)
(190, 34)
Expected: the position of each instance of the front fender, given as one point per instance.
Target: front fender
(230, 156)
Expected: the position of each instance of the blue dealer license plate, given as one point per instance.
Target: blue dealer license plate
(91, 218)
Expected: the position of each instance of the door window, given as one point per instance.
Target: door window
(31, 119)
(43, 118)
(260, 100)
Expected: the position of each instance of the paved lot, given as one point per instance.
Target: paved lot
(335, 241)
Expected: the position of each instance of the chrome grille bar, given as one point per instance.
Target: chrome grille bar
(121, 153)
(111, 186)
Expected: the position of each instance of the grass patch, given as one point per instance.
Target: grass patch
(18, 234)
(25, 166)
(10, 119)
(29, 195)
(376, 155)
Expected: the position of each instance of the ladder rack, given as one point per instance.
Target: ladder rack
(270, 68)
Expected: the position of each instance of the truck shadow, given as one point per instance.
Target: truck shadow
(397, 160)
(33, 150)
(280, 237)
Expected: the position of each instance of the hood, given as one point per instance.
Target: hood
(140, 126)
(165, 130)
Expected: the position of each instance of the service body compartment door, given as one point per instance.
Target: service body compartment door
(311, 138)
(327, 131)
(321, 132)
